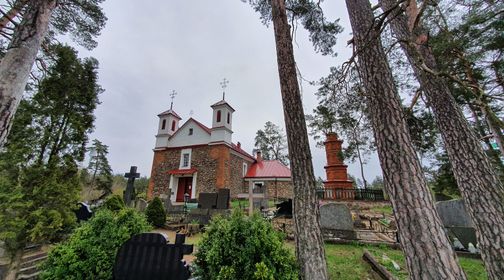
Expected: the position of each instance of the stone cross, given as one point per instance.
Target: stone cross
(224, 84)
(129, 193)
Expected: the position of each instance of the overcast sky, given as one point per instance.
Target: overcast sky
(150, 48)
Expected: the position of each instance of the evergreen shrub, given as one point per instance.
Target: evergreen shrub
(114, 203)
(90, 251)
(240, 247)
(155, 212)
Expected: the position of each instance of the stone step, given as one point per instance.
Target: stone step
(33, 262)
(28, 270)
(37, 255)
(32, 276)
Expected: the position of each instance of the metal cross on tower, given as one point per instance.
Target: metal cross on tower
(172, 95)
(224, 84)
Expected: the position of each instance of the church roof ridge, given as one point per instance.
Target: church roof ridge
(169, 112)
(222, 102)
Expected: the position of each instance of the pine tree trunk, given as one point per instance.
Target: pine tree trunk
(309, 243)
(16, 64)
(426, 247)
(479, 185)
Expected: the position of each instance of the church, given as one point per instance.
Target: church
(192, 158)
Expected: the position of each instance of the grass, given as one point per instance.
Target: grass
(345, 262)
(244, 203)
(382, 209)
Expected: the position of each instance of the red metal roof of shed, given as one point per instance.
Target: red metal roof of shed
(268, 169)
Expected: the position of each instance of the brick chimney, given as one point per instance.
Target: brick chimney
(238, 145)
(259, 156)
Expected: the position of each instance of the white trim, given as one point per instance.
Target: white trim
(268, 179)
(244, 169)
(182, 152)
(194, 180)
(173, 187)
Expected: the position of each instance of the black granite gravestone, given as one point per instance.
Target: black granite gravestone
(207, 200)
(148, 256)
(84, 212)
(223, 199)
(284, 209)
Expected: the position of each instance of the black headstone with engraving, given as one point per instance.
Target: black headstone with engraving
(84, 212)
(148, 256)
(129, 193)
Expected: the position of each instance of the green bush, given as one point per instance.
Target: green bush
(155, 212)
(240, 247)
(90, 251)
(114, 203)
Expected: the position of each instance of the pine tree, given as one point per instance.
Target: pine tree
(480, 187)
(272, 143)
(99, 168)
(425, 244)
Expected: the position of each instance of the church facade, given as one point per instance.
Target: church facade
(193, 158)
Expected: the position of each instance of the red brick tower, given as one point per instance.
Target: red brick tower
(336, 171)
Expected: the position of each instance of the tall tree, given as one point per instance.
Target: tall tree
(81, 19)
(309, 243)
(425, 244)
(99, 168)
(476, 178)
(272, 143)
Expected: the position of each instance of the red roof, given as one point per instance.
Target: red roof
(268, 169)
(182, 171)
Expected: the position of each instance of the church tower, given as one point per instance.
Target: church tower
(222, 122)
(168, 124)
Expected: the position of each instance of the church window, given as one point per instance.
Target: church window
(173, 125)
(163, 125)
(218, 116)
(185, 160)
(190, 131)
(228, 117)
(245, 169)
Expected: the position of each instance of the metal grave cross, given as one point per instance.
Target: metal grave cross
(129, 193)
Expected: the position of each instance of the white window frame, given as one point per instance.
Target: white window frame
(182, 153)
(245, 169)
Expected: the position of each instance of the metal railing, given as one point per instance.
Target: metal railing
(353, 194)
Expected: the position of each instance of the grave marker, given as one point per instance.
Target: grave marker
(336, 221)
(148, 256)
(129, 193)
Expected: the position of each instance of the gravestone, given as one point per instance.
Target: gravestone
(336, 221)
(453, 213)
(223, 196)
(129, 193)
(284, 209)
(84, 212)
(207, 200)
(201, 215)
(141, 204)
(457, 221)
(148, 256)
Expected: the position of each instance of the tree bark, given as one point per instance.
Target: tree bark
(309, 243)
(426, 247)
(16, 64)
(479, 185)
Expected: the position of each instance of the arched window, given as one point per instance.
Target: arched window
(163, 125)
(218, 116)
(173, 126)
(228, 117)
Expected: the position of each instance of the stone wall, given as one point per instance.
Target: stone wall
(216, 168)
(280, 189)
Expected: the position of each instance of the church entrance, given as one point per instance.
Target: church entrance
(184, 186)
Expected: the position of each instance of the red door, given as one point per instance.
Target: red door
(184, 186)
